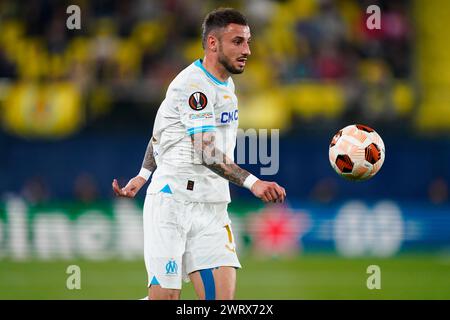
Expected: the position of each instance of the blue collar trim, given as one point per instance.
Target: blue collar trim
(199, 64)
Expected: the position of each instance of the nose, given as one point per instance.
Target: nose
(246, 50)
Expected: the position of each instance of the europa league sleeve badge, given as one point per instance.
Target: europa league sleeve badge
(198, 101)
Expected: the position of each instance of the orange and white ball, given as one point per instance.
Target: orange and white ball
(357, 152)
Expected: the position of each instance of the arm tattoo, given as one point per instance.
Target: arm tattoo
(215, 160)
(149, 160)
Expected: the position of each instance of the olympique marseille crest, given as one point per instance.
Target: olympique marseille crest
(171, 267)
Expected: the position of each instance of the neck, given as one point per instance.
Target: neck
(215, 68)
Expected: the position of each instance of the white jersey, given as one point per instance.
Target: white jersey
(195, 102)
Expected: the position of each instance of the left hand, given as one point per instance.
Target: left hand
(131, 189)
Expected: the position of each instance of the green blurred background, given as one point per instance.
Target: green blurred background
(77, 108)
(308, 277)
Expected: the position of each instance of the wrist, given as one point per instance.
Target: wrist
(250, 181)
(144, 173)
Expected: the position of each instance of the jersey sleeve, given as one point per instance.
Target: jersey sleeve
(196, 107)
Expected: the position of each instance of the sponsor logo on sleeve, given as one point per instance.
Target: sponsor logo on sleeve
(198, 101)
(202, 115)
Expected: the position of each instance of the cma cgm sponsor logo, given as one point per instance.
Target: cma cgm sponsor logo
(171, 267)
(227, 117)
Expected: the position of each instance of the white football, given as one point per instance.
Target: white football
(356, 152)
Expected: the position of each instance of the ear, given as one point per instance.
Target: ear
(212, 42)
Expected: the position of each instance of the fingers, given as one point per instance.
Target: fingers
(281, 193)
(116, 188)
(264, 198)
(273, 193)
(128, 191)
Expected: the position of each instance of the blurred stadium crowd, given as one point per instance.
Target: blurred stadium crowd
(314, 58)
(315, 67)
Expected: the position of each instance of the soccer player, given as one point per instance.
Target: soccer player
(187, 232)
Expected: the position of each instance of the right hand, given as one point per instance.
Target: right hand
(131, 189)
(268, 191)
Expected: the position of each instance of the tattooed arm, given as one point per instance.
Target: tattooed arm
(149, 162)
(135, 184)
(215, 160)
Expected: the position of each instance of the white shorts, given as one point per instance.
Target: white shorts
(181, 237)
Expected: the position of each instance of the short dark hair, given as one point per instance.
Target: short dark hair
(220, 18)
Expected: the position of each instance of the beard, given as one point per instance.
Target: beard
(227, 64)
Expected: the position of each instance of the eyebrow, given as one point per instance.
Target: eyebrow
(241, 38)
